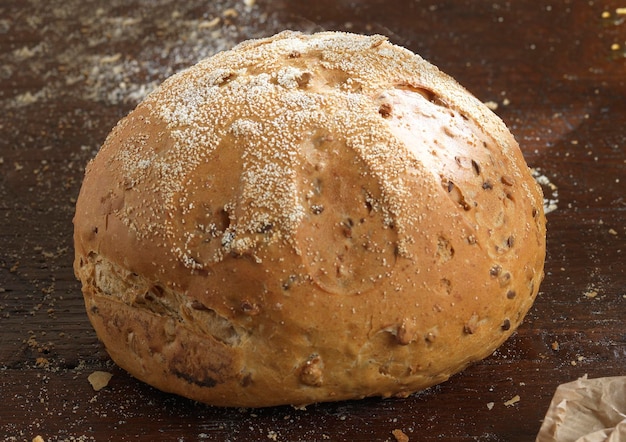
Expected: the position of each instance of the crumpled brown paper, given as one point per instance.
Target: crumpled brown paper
(587, 410)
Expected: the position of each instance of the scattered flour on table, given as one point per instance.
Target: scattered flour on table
(550, 190)
(117, 55)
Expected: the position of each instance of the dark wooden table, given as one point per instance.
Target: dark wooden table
(69, 69)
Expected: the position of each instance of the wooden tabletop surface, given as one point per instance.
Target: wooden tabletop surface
(69, 69)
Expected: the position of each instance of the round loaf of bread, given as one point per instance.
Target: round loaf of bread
(307, 218)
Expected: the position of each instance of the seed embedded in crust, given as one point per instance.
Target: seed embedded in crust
(495, 271)
(316, 209)
(385, 110)
(476, 167)
(312, 371)
(250, 308)
(471, 325)
(507, 180)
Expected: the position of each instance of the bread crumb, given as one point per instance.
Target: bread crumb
(209, 23)
(515, 399)
(620, 11)
(579, 358)
(400, 435)
(555, 346)
(42, 362)
(613, 231)
(591, 294)
(38, 439)
(490, 405)
(99, 379)
(491, 105)
(272, 435)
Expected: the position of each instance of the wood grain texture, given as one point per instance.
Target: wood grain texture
(69, 70)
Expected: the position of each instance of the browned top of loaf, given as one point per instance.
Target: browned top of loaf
(271, 98)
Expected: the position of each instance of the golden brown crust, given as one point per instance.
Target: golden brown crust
(324, 217)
